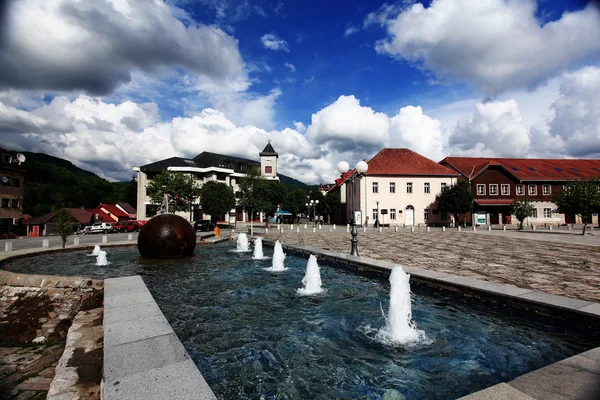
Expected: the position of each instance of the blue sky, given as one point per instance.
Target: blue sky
(113, 84)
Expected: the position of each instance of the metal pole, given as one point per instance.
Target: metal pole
(354, 232)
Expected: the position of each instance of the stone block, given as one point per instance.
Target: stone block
(126, 299)
(8, 246)
(501, 391)
(131, 331)
(591, 308)
(131, 312)
(104, 239)
(554, 300)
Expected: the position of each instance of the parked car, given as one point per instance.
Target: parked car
(101, 227)
(84, 231)
(204, 225)
(119, 227)
(132, 226)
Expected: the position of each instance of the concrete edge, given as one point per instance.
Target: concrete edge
(15, 254)
(536, 381)
(143, 357)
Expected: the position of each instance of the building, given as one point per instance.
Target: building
(399, 189)
(204, 167)
(497, 182)
(111, 213)
(12, 177)
(45, 225)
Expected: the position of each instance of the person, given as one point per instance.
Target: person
(321, 220)
(367, 222)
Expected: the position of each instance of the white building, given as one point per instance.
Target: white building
(204, 167)
(399, 189)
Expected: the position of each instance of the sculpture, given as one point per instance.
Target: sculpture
(167, 236)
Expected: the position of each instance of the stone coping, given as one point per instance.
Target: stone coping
(576, 377)
(15, 254)
(49, 281)
(143, 358)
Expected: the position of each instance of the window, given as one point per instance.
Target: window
(443, 187)
(534, 213)
(505, 190)
(426, 188)
(4, 202)
(532, 190)
(426, 214)
(392, 187)
(546, 190)
(375, 187)
(374, 214)
(480, 190)
(268, 169)
(520, 190)
(14, 203)
(409, 187)
(392, 213)
(547, 213)
(493, 190)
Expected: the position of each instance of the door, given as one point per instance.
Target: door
(494, 218)
(409, 216)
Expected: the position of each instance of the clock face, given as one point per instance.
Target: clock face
(268, 160)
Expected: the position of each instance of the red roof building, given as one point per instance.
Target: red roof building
(110, 213)
(497, 182)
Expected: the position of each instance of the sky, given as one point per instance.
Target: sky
(114, 84)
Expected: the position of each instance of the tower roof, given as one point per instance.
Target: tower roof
(268, 151)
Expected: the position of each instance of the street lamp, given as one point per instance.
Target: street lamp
(314, 203)
(359, 171)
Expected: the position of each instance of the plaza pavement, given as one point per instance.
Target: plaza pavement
(566, 264)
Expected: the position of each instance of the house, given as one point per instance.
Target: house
(44, 225)
(12, 177)
(110, 213)
(205, 167)
(399, 188)
(497, 182)
(128, 209)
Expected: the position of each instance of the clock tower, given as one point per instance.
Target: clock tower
(268, 162)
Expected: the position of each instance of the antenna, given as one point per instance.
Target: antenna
(21, 158)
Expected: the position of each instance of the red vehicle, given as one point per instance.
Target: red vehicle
(119, 227)
(132, 226)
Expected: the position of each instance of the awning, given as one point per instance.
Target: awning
(282, 212)
(494, 202)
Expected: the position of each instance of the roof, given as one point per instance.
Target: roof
(162, 165)
(82, 216)
(238, 164)
(392, 161)
(528, 169)
(268, 151)
(127, 208)
(494, 202)
(114, 210)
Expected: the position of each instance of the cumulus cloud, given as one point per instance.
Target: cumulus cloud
(292, 67)
(413, 129)
(495, 128)
(493, 44)
(273, 42)
(95, 46)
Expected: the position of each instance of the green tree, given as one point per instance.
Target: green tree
(521, 209)
(130, 195)
(273, 194)
(315, 195)
(63, 221)
(294, 202)
(251, 198)
(216, 199)
(457, 199)
(581, 198)
(331, 203)
(180, 187)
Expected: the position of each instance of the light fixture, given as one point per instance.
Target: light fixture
(360, 170)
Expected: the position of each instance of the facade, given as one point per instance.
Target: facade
(399, 189)
(44, 225)
(12, 177)
(204, 167)
(497, 182)
(110, 213)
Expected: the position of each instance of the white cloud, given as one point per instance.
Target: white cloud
(350, 30)
(493, 44)
(300, 127)
(413, 129)
(96, 46)
(496, 127)
(292, 67)
(273, 42)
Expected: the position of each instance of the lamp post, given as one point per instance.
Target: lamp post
(307, 210)
(314, 203)
(359, 171)
(377, 215)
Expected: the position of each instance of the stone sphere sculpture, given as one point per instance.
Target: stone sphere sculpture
(167, 236)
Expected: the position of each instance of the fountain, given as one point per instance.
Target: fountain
(258, 251)
(243, 245)
(312, 278)
(96, 251)
(399, 327)
(278, 258)
(101, 260)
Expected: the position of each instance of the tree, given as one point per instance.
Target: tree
(331, 203)
(294, 202)
(180, 187)
(250, 197)
(272, 193)
(457, 199)
(315, 194)
(216, 199)
(521, 209)
(581, 198)
(130, 195)
(63, 221)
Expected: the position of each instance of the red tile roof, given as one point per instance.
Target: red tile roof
(528, 169)
(113, 210)
(82, 216)
(405, 162)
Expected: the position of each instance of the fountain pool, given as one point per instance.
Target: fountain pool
(251, 335)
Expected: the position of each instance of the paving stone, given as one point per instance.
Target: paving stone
(180, 381)
(133, 330)
(553, 300)
(131, 312)
(112, 283)
(35, 383)
(593, 309)
(127, 299)
(501, 391)
(135, 357)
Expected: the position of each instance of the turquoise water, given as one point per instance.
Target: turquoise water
(252, 337)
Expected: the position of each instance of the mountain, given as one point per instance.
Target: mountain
(292, 183)
(44, 159)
